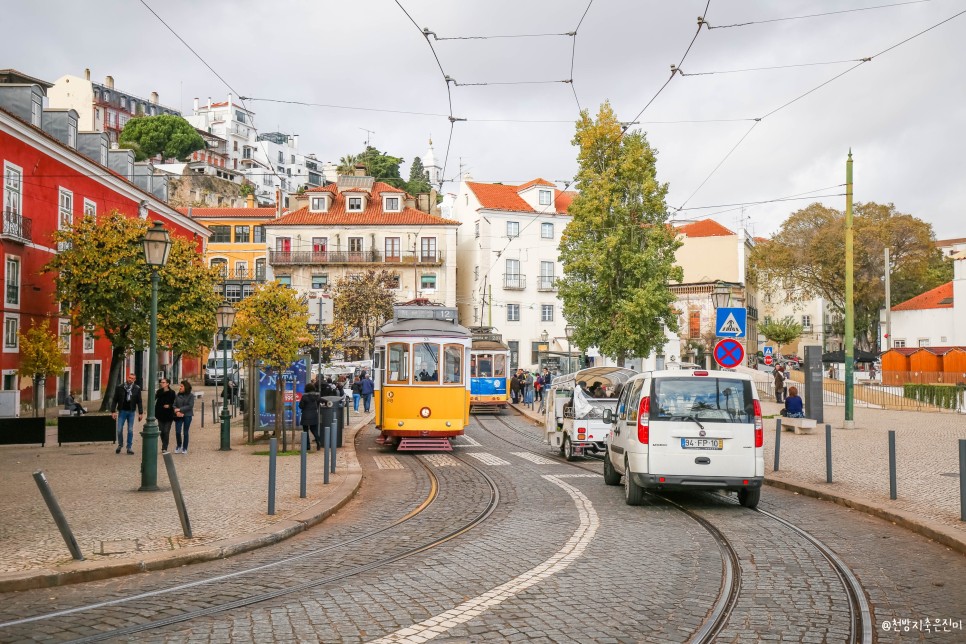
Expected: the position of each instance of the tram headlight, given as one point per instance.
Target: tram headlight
(425, 412)
(449, 424)
(400, 423)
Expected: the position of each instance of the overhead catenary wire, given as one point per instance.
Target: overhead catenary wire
(573, 55)
(760, 69)
(817, 15)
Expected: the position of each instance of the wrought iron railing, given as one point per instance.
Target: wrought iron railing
(15, 226)
(514, 281)
(547, 283)
(284, 257)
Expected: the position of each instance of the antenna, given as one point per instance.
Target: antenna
(368, 133)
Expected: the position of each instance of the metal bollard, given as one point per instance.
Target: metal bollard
(58, 515)
(962, 479)
(178, 496)
(828, 453)
(778, 440)
(305, 444)
(892, 464)
(202, 413)
(272, 455)
(335, 445)
(326, 445)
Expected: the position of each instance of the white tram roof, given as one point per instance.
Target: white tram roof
(607, 376)
(424, 327)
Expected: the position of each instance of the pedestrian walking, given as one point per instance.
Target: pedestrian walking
(184, 411)
(528, 388)
(365, 389)
(127, 401)
(538, 387)
(309, 404)
(356, 393)
(164, 412)
(779, 377)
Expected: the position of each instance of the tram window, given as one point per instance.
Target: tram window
(398, 367)
(426, 362)
(499, 366)
(485, 365)
(452, 363)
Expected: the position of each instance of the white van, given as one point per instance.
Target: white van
(687, 429)
(215, 367)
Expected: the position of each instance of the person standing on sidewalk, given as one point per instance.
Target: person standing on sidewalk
(365, 389)
(779, 382)
(184, 411)
(164, 401)
(127, 400)
(356, 394)
(309, 405)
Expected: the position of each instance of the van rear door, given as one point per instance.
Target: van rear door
(702, 426)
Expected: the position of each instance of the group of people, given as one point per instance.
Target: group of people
(526, 387)
(794, 405)
(169, 408)
(360, 389)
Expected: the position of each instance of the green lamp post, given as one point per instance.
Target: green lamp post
(157, 245)
(226, 317)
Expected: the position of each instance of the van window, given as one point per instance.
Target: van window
(627, 407)
(714, 400)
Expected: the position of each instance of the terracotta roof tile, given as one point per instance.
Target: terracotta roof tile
(215, 213)
(705, 228)
(534, 182)
(373, 215)
(497, 196)
(940, 297)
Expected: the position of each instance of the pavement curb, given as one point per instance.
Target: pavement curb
(84, 571)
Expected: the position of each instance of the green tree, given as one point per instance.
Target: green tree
(170, 136)
(41, 355)
(105, 284)
(271, 326)
(781, 332)
(347, 164)
(618, 250)
(806, 259)
(418, 181)
(364, 302)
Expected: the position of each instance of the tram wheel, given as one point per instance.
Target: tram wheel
(568, 449)
(611, 477)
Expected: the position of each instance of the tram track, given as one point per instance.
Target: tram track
(860, 622)
(487, 510)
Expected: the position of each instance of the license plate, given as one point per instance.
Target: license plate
(701, 443)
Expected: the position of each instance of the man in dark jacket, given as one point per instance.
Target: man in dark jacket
(127, 400)
(365, 390)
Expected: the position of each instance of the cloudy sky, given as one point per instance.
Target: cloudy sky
(902, 114)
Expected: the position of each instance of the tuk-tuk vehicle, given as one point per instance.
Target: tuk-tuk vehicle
(575, 405)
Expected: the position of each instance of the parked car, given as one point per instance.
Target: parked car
(686, 430)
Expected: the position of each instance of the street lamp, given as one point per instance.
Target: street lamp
(544, 336)
(157, 245)
(721, 296)
(225, 316)
(569, 332)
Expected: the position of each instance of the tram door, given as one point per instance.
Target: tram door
(378, 369)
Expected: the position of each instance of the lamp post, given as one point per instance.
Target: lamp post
(720, 298)
(157, 245)
(226, 317)
(569, 331)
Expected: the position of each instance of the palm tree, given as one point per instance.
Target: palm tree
(347, 164)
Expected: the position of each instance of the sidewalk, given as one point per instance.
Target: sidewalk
(122, 531)
(927, 466)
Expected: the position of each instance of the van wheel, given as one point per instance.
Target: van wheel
(633, 493)
(749, 498)
(567, 449)
(611, 477)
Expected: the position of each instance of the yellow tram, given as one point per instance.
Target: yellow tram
(422, 386)
(489, 371)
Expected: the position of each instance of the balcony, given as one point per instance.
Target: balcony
(249, 275)
(514, 282)
(546, 283)
(310, 257)
(15, 227)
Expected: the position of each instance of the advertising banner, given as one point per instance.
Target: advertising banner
(291, 382)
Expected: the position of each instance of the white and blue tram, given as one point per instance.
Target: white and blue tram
(489, 371)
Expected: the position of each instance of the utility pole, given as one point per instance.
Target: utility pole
(849, 301)
(888, 303)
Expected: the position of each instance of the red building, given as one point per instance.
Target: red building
(52, 174)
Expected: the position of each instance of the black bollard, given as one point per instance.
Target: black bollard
(58, 515)
(778, 440)
(892, 464)
(962, 479)
(272, 454)
(828, 453)
(305, 446)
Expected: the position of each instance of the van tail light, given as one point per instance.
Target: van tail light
(700, 373)
(759, 428)
(644, 421)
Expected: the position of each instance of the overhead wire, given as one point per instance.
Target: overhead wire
(817, 15)
(573, 55)
(759, 69)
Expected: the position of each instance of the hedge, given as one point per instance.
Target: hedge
(945, 396)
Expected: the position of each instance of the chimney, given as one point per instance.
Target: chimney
(278, 203)
(154, 98)
(87, 73)
(196, 105)
(409, 202)
(109, 81)
(295, 139)
(251, 201)
(229, 100)
(359, 171)
(209, 103)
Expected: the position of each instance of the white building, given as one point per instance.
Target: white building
(936, 318)
(509, 263)
(358, 224)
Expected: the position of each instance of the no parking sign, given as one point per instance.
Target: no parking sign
(729, 353)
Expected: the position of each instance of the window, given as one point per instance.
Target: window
(899, 344)
(12, 292)
(71, 133)
(111, 119)
(535, 348)
(545, 198)
(241, 270)
(547, 278)
(426, 362)
(514, 353)
(453, 364)
(317, 204)
(11, 193)
(239, 116)
(806, 322)
(355, 247)
(220, 234)
(923, 342)
(283, 244)
(427, 249)
(258, 235)
(66, 209)
(11, 328)
(64, 332)
(233, 292)
(88, 340)
(694, 324)
(512, 229)
(546, 312)
(221, 264)
(320, 244)
(284, 280)
(320, 281)
(512, 312)
(292, 158)
(397, 364)
(281, 157)
(260, 269)
(248, 290)
(36, 112)
(394, 280)
(90, 208)
(427, 282)
(392, 204)
(242, 234)
(355, 204)
(546, 231)
(393, 249)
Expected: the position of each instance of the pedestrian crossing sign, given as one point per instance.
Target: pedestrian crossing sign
(731, 322)
(767, 351)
